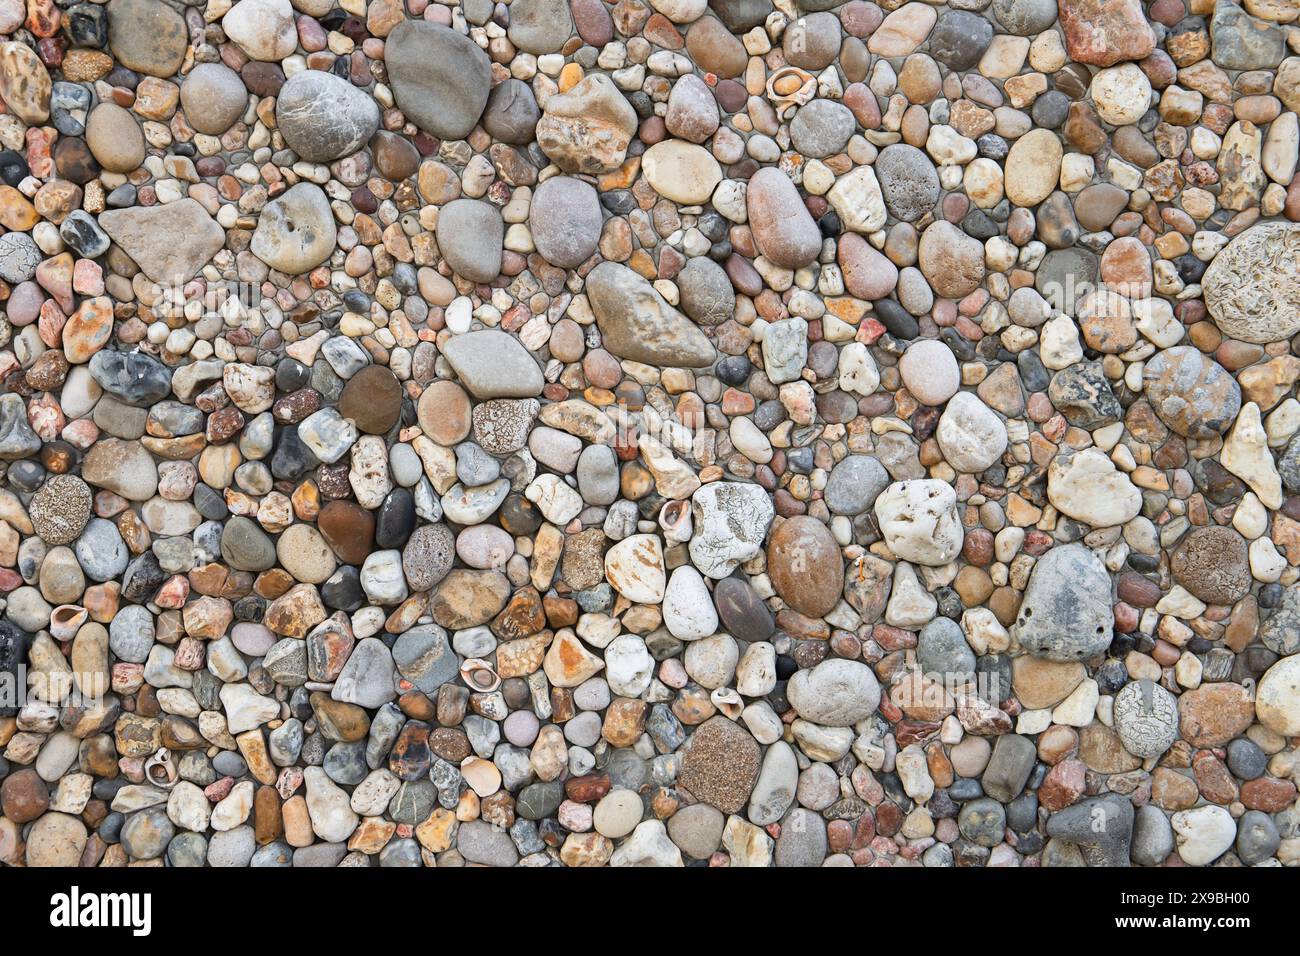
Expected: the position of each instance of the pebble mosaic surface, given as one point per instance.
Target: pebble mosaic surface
(667, 432)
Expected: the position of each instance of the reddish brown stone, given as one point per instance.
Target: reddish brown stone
(1105, 32)
(349, 529)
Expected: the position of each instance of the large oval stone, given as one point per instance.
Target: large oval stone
(804, 564)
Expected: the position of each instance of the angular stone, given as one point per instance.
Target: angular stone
(169, 242)
(637, 323)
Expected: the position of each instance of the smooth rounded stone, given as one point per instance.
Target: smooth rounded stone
(959, 39)
(493, 364)
(485, 546)
(444, 413)
(804, 563)
(854, 484)
(919, 521)
(1153, 837)
(231, 848)
(405, 466)
(908, 181)
(565, 220)
(783, 229)
(470, 233)
(1258, 838)
(835, 693)
(1213, 565)
(1203, 834)
(597, 474)
(1277, 697)
(115, 138)
(373, 399)
(213, 97)
(295, 232)
(697, 830)
(1246, 759)
(930, 372)
(540, 26)
(803, 841)
(396, 157)
(1252, 288)
(1121, 94)
(324, 117)
(637, 323)
(440, 77)
(1066, 612)
(348, 529)
(245, 546)
(970, 434)
(538, 801)
(304, 553)
(634, 567)
(692, 110)
(942, 651)
(688, 608)
(982, 822)
(707, 295)
(382, 578)
(742, 15)
(131, 634)
(100, 550)
(511, 115)
(189, 850)
(742, 611)
(1190, 392)
(822, 128)
(721, 765)
(82, 233)
(25, 83)
(1033, 167)
(60, 510)
(273, 855)
(680, 171)
(56, 839)
(1025, 18)
(774, 790)
(485, 844)
(1087, 486)
(147, 36)
(25, 796)
(146, 834)
(263, 29)
(617, 813)
(122, 467)
(951, 261)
